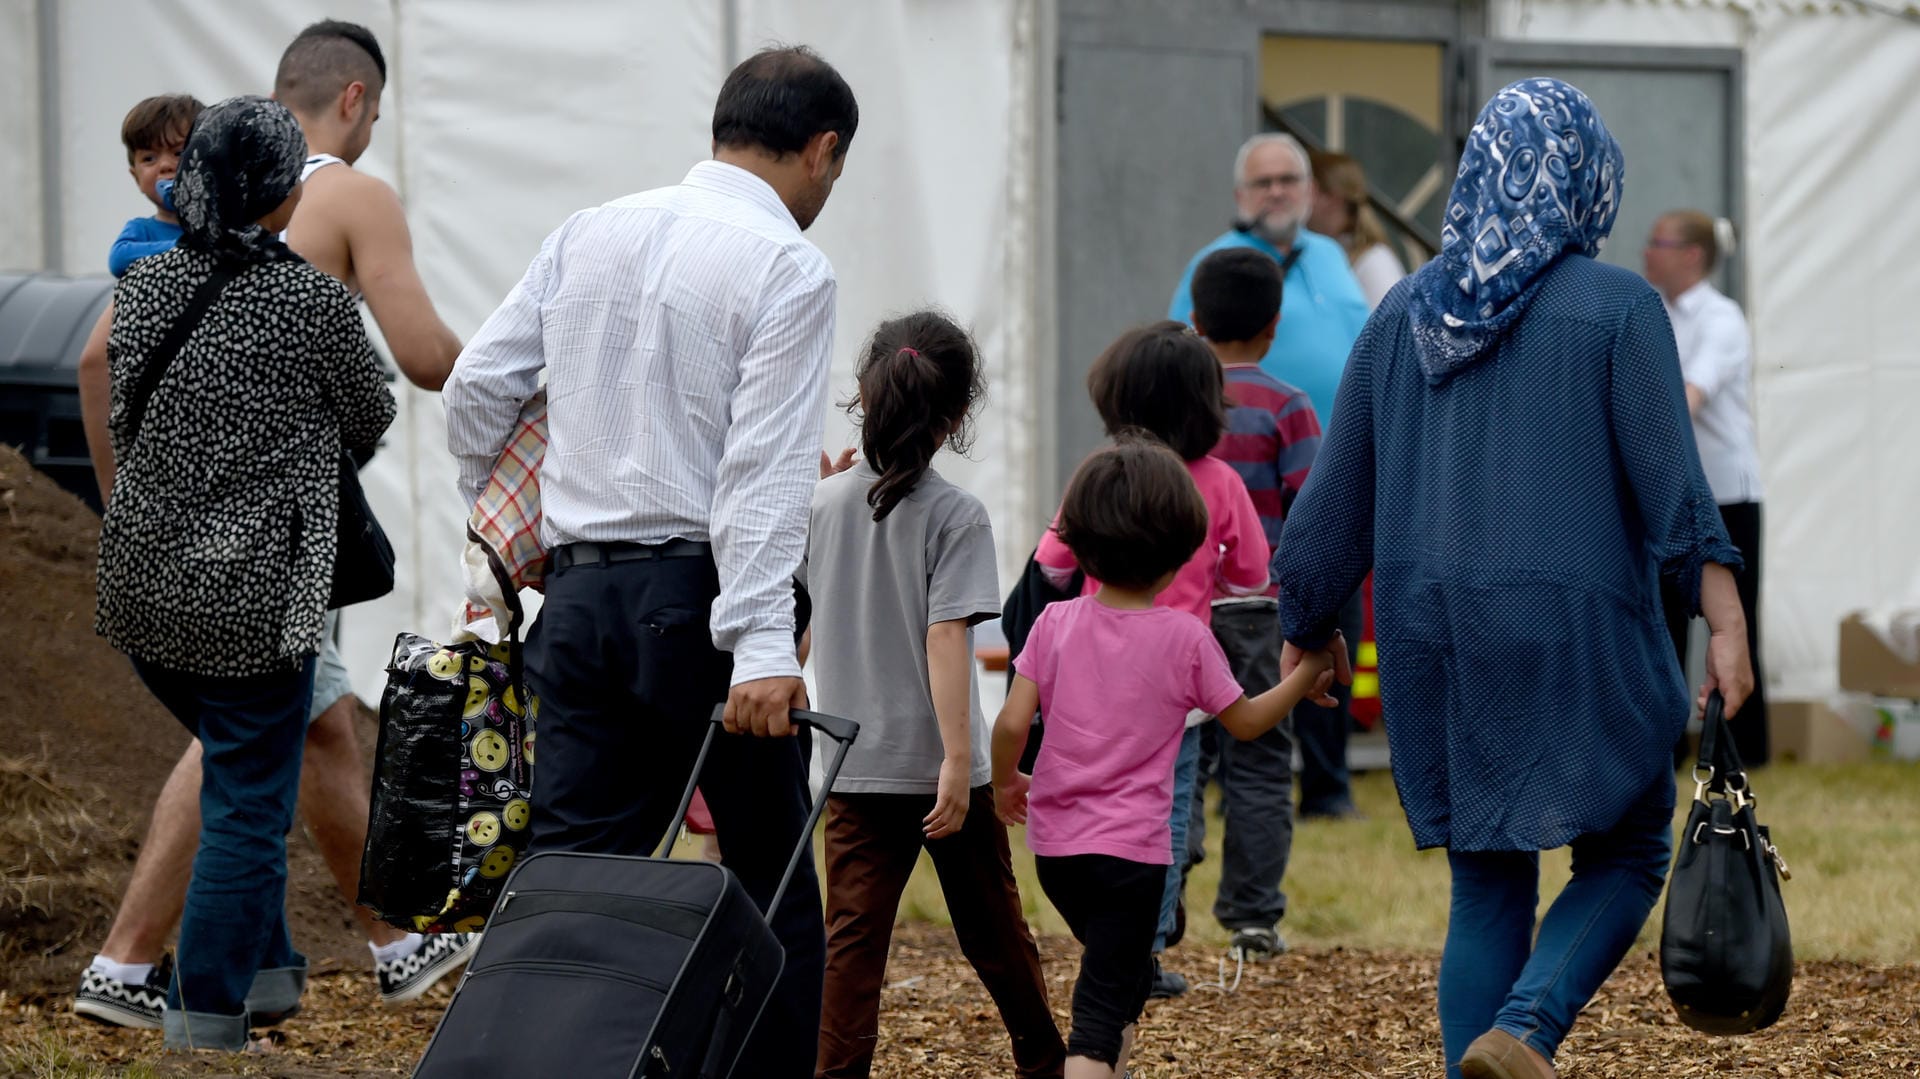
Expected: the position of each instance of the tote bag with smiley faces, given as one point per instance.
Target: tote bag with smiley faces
(451, 785)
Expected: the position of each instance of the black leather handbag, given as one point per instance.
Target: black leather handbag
(1726, 955)
(362, 556)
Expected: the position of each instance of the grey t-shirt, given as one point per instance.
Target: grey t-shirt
(876, 587)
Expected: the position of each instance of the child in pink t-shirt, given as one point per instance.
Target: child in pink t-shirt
(1116, 674)
(1164, 380)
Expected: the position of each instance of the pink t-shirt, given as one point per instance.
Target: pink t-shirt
(1233, 560)
(1115, 688)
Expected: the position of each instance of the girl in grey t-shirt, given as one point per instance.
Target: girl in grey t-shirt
(900, 567)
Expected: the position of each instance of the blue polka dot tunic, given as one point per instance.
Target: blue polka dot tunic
(1518, 513)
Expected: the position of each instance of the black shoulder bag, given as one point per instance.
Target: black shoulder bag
(1725, 953)
(362, 555)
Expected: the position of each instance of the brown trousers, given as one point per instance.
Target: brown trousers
(873, 843)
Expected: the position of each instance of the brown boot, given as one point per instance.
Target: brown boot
(1499, 1055)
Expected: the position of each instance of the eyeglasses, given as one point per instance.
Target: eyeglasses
(1284, 180)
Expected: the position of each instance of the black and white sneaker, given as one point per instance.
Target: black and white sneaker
(412, 974)
(110, 1000)
(1255, 943)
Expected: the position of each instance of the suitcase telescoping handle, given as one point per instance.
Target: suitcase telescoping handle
(842, 731)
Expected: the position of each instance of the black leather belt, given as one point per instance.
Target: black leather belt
(606, 554)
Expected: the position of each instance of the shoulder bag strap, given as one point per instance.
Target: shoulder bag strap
(171, 344)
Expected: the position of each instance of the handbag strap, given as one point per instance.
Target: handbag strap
(171, 344)
(1720, 764)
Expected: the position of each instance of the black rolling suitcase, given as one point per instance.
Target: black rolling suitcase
(599, 965)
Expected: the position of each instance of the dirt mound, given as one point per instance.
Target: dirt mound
(84, 750)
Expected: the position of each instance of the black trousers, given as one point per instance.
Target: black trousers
(1743, 522)
(623, 661)
(1113, 907)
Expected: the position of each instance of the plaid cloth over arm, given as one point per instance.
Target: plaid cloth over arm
(503, 553)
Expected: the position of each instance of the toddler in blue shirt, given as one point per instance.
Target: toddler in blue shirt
(155, 132)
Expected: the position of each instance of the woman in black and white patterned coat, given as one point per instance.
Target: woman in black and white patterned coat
(216, 555)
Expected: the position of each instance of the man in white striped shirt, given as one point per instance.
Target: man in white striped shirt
(685, 334)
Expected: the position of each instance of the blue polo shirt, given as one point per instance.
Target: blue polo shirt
(1321, 312)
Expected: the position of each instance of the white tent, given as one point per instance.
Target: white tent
(502, 119)
(499, 122)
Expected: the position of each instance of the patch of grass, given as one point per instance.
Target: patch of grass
(46, 1055)
(1848, 831)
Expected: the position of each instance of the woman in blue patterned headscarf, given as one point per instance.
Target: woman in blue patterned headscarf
(1510, 455)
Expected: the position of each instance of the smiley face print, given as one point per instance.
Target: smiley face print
(477, 698)
(445, 665)
(484, 829)
(526, 744)
(516, 814)
(489, 751)
(497, 862)
(510, 697)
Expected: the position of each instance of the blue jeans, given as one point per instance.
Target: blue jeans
(252, 731)
(1185, 768)
(1494, 974)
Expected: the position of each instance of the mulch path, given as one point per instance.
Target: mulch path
(1314, 1014)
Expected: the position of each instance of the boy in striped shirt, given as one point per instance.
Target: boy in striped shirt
(1272, 436)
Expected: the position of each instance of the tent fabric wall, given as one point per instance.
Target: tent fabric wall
(497, 125)
(20, 213)
(1830, 129)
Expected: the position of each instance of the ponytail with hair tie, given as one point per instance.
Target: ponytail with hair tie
(918, 383)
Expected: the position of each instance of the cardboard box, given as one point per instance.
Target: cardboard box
(1868, 665)
(1811, 732)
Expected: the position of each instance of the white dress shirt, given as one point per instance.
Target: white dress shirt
(686, 334)
(1716, 358)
